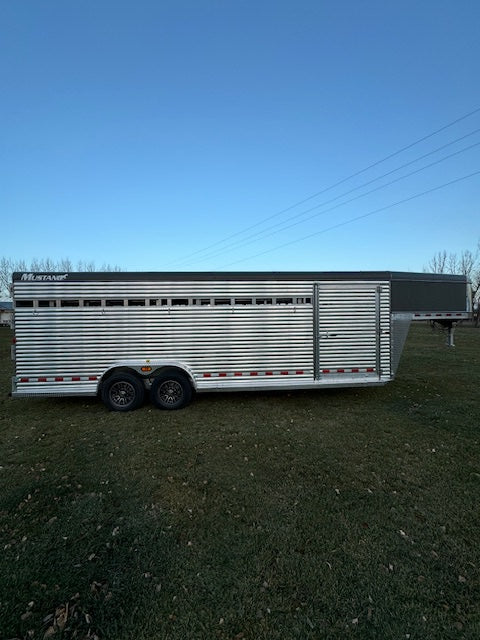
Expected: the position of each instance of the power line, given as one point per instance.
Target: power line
(355, 219)
(329, 188)
(266, 233)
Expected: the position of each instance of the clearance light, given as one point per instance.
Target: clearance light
(146, 368)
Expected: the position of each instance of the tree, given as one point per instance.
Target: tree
(46, 265)
(438, 263)
(466, 263)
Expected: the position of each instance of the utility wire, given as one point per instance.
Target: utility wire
(355, 219)
(261, 234)
(333, 186)
(268, 232)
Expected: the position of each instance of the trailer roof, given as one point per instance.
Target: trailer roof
(193, 276)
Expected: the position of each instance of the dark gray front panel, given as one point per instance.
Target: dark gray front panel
(425, 296)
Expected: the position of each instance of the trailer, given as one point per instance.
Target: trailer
(123, 335)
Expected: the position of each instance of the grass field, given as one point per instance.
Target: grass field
(327, 514)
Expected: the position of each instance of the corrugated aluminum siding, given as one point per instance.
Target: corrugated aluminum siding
(137, 289)
(85, 341)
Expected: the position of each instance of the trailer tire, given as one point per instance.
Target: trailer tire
(171, 390)
(122, 392)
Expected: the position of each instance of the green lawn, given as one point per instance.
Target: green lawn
(327, 514)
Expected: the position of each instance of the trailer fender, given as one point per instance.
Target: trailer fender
(148, 370)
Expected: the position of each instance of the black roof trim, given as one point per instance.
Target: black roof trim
(195, 276)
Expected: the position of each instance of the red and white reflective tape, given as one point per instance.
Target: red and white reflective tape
(348, 371)
(253, 374)
(59, 379)
(439, 315)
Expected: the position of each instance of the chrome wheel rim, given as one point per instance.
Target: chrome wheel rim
(122, 394)
(170, 392)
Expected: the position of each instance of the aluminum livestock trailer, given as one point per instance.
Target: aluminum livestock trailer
(119, 335)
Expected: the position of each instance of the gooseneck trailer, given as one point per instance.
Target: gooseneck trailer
(122, 335)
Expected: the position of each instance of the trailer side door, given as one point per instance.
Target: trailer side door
(352, 331)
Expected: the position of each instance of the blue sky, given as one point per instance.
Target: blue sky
(173, 135)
